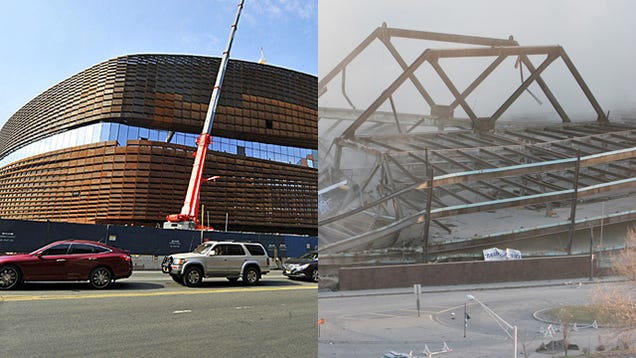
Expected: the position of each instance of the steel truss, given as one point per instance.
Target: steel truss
(418, 179)
(500, 49)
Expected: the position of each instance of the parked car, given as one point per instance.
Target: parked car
(305, 267)
(67, 260)
(232, 260)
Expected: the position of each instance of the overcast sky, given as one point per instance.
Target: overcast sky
(597, 35)
(44, 42)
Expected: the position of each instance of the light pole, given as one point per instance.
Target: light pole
(505, 326)
(203, 227)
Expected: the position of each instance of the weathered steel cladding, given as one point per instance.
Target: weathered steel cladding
(258, 102)
(139, 182)
(143, 181)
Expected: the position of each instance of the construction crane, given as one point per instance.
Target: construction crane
(188, 218)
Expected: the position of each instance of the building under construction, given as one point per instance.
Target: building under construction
(114, 143)
(446, 183)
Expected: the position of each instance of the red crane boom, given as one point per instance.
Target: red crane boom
(188, 218)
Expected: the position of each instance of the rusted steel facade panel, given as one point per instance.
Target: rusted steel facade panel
(140, 183)
(171, 92)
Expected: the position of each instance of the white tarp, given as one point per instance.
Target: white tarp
(512, 254)
(495, 254)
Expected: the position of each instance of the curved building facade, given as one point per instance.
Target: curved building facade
(114, 144)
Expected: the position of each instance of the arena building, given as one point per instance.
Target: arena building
(114, 144)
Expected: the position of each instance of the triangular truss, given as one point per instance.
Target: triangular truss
(481, 47)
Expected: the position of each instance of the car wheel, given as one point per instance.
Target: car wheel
(192, 277)
(315, 276)
(251, 276)
(9, 277)
(232, 279)
(100, 277)
(177, 279)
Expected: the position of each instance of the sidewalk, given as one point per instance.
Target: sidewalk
(326, 293)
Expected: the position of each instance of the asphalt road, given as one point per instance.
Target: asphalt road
(372, 323)
(148, 315)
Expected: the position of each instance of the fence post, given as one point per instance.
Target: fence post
(48, 228)
(107, 233)
(429, 202)
(591, 253)
(575, 196)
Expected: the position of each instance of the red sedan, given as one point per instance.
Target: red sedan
(68, 260)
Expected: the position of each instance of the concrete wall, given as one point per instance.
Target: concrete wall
(455, 273)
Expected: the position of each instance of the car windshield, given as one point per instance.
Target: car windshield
(201, 249)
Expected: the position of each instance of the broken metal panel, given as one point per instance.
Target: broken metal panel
(524, 170)
(510, 237)
(396, 226)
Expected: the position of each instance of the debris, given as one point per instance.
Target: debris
(428, 353)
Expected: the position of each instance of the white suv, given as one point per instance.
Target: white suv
(233, 260)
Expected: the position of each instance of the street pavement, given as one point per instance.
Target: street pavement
(149, 315)
(371, 323)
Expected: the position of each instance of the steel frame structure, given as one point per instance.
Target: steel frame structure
(418, 179)
(410, 186)
(500, 49)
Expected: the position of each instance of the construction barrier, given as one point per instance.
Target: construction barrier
(20, 236)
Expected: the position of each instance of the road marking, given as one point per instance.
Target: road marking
(184, 311)
(147, 294)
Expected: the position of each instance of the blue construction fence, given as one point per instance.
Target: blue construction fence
(21, 236)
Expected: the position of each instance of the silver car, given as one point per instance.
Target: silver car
(233, 260)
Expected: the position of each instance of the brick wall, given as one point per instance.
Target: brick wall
(455, 273)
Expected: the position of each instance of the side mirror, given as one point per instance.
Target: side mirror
(212, 253)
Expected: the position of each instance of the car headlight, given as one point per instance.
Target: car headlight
(178, 261)
(302, 267)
